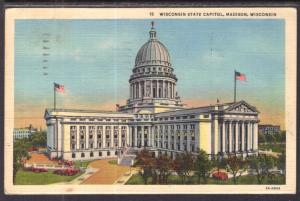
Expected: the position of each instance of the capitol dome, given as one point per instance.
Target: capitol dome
(152, 52)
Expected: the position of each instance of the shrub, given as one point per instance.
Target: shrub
(220, 175)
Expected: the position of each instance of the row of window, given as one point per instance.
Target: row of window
(148, 69)
(98, 119)
(166, 146)
(100, 153)
(178, 126)
(98, 127)
(173, 118)
(91, 145)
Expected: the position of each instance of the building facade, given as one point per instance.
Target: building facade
(268, 129)
(20, 133)
(154, 118)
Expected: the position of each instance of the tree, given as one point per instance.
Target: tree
(203, 166)
(20, 153)
(163, 166)
(281, 162)
(146, 162)
(39, 138)
(183, 164)
(262, 165)
(236, 165)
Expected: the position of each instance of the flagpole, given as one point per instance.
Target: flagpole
(234, 86)
(54, 91)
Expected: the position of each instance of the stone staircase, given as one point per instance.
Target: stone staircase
(127, 159)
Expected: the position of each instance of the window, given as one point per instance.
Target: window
(99, 144)
(108, 153)
(91, 154)
(184, 117)
(177, 117)
(90, 136)
(100, 153)
(178, 127)
(91, 145)
(184, 126)
(82, 155)
(81, 137)
(99, 136)
(82, 145)
(192, 116)
(73, 155)
(116, 153)
(73, 137)
(73, 146)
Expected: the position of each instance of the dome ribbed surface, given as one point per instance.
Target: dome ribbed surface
(152, 53)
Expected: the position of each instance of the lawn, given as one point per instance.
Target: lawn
(31, 178)
(138, 180)
(279, 148)
(83, 164)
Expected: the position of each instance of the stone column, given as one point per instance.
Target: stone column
(103, 137)
(255, 135)
(163, 89)
(129, 136)
(169, 139)
(175, 139)
(243, 136)
(77, 138)
(188, 144)
(153, 136)
(230, 136)
(143, 137)
(167, 89)
(86, 135)
(249, 136)
(112, 144)
(151, 88)
(95, 138)
(223, 137)
(174, 90)
(181, 140)
(135, 136)
(120, 136)
(237, 136)
(157, 89)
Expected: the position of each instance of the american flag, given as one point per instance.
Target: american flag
(59, 88)
(240, 76)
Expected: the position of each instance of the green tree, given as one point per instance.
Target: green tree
(262, 165)
(281, 162)
(183, 164)
(20, 153)
(203, 166)
(146, 162)
(39, 139)
(236, 166)
(163, 166)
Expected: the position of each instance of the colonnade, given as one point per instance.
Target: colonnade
(152, 89)
(98, 142)
(237, 136)
(147, 136)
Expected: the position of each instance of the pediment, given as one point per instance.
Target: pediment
(241, 107)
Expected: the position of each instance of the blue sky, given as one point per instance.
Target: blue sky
(93, 59)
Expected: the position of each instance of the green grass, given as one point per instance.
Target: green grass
(83, 164)
(279, 148)
(113, 162)
(243, 180)
(31, 178)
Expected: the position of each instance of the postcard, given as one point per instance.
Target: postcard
(150, 100)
